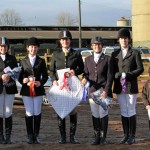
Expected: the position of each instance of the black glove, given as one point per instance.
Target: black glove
(129, 76)
(117, 75)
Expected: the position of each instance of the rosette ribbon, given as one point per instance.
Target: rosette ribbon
(85, 92)
(123, 82)
(31, 86)
(64, 82)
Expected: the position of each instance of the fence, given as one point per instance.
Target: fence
(144, 76)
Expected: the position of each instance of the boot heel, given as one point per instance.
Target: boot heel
(62, 140)
(8, 128)
(62, 129)
(30, 139)
(29, 126)
(37, 123)
(73, 127)
(131, 140)
(104, 127)
(8, 139)
(73, 140)
(2, 139)
(125, 125)
(96, 126)
(124, 140)
(36, 139)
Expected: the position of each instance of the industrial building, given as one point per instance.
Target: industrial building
(48, 35)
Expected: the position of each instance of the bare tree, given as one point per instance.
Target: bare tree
(66, 19)
(10, 17)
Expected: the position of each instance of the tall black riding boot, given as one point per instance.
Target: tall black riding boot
(37, 122)
(149, 124)
(96, 126)
(8, 129)
(104, 127)
(73, 127)
(125, 125)
(29, 126)
(2, 140)
(132, 125)
(62, 129)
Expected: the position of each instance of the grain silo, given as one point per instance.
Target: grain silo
(124, 22)
(141, 23)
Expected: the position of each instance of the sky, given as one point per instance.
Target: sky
(93, 12)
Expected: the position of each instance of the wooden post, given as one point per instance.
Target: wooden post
(45, 57)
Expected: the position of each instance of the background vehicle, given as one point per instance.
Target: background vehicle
(145, 53)
(110, 49)
(81, 49)
(86, 53)
(142, 50)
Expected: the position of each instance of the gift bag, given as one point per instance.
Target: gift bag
(64, 99)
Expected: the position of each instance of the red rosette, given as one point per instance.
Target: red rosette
(65, 84)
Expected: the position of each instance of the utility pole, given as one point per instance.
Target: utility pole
(80, 34)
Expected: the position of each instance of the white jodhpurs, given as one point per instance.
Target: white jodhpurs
(6, 105)
(148, 113)
(97, 110)
(32, 105)
(127, 104)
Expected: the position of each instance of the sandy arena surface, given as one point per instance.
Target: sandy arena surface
(49, 133)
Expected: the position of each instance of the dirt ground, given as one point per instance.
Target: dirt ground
(49, 133)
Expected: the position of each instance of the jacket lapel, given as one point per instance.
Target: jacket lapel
(129, 53)
(37, 62)
(120, 58)
(28, 62)
(63, 54)
(7, 60)
(70, 52)
(92, 59)
(101, 58)
(2, 65)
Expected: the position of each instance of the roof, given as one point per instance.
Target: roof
(52, 32)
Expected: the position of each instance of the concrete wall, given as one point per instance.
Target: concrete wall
(141, 23)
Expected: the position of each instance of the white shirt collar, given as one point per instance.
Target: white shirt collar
(32, 58)
(66, 50)
(124, 49)
(124, 52)
(97, 54)
(3, 57)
